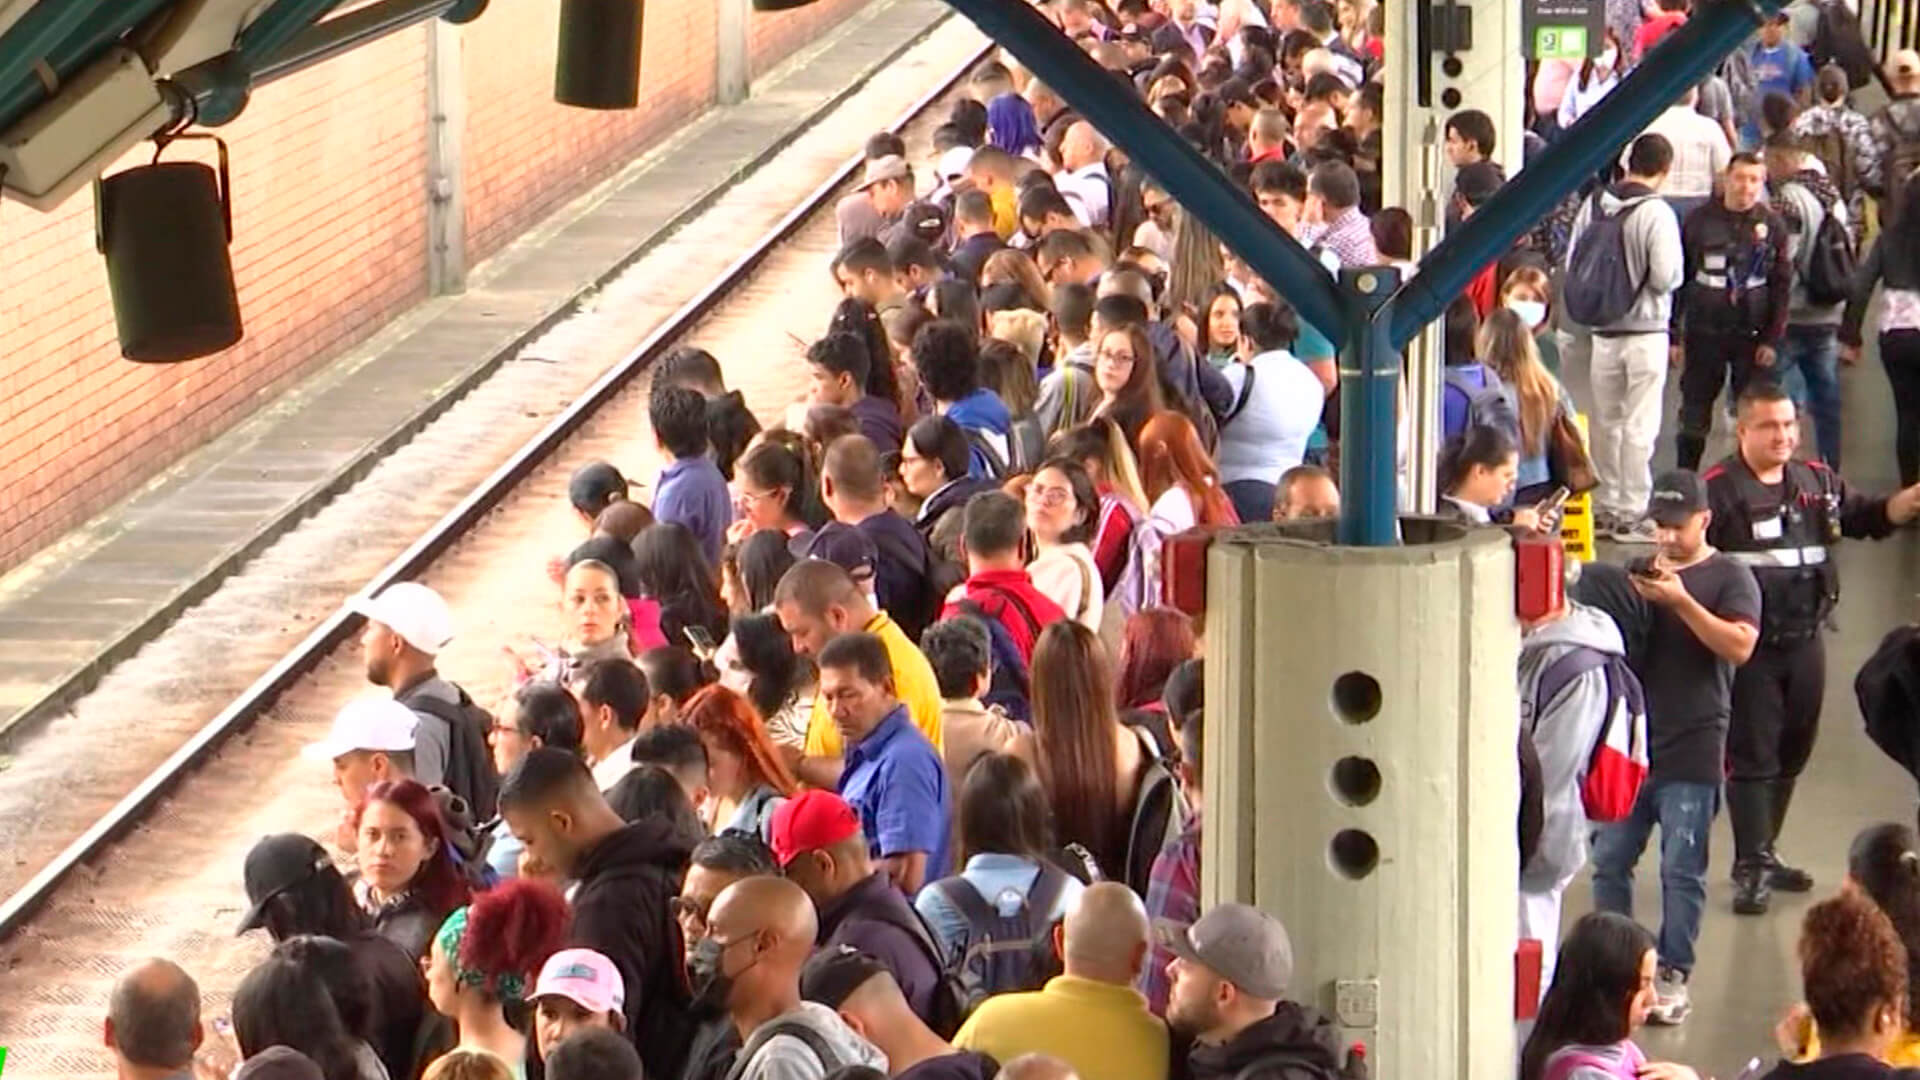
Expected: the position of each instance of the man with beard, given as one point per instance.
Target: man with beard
(407, 625)
(1229, 995)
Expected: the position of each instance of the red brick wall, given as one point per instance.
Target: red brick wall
(329, 189)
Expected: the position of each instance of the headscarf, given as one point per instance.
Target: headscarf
(1011, 125)
(507, 987)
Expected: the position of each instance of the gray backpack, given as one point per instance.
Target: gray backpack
(1600, 289)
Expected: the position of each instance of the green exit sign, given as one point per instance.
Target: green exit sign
(1560, 43)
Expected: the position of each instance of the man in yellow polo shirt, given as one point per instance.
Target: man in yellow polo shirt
(1091, 1017)
(816, 601)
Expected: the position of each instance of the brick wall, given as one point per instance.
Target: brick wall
(329, 195)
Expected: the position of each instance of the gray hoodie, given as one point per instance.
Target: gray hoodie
(1655, 258)
(785, 1057)
(1563, 737)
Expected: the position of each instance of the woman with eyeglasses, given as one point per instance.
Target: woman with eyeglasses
(774, 488)
(1063, 512)
(1124, 372)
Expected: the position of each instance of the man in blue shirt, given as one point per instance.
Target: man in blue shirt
(1779, 67)
(894, 778)
(690, 490)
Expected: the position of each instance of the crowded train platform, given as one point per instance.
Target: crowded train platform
(833, 705)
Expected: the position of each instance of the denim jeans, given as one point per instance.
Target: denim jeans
(1808, 365)
(1685, 812)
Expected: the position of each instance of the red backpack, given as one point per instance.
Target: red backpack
(1618, 764)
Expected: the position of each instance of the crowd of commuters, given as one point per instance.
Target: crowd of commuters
(870, 746)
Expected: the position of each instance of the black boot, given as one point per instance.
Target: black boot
(1749, 809)
(1780, 875)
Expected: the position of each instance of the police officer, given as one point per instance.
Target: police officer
(1731, 310)
(1779, 516)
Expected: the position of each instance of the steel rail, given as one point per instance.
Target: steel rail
(241, 713)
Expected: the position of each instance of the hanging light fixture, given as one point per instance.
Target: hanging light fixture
(165, 229)
(599, 61)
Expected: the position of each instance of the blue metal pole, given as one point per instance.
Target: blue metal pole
(1682, 59)
(1369, 377)
(1193, 181)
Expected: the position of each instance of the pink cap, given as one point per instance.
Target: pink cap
(583, 977)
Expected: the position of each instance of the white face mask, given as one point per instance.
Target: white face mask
(1531, 312)
(1608, 58)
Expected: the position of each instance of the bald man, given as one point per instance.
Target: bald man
(1037, 1067)
(760, 932)
(1083, 175)
(1092, 1018)
(153, 1022)
(863, 992)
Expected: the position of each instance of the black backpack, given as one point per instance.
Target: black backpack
(1026, 443)
(1006, 953)
(996, 466)
(1160, 813)
(1831, 259)
(470, 772)
(830, 1062)
(1600, 289)
(950, 1004)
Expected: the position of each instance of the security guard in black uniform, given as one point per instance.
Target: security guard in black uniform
(1779, 516)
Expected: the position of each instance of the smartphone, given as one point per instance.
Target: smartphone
(1553, 503)
(1643, 569)
(1751, 1072)
(701, 641)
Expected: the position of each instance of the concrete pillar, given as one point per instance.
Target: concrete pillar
(1361, 780)
(733, 61)
(446, 159)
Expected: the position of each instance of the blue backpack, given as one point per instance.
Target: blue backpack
(1487, 403)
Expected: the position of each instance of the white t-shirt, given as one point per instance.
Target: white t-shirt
(1270, 434)
(1068, 576)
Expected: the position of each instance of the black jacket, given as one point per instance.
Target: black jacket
(620, 909)
(1751, 251)
(399, 996)
(1843, 1067)
(876, 919)
(1295, 1043)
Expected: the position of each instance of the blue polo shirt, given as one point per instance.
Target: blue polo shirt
(893, 779)
(691, 492)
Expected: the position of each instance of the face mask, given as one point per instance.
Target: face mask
(1531, 312)
(712, 986)
(1608, 58)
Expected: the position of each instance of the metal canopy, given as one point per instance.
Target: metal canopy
(1369, 328)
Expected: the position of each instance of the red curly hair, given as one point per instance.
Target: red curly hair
(727, 720)
(512, 929)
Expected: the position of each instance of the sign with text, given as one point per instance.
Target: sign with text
(1563, 29)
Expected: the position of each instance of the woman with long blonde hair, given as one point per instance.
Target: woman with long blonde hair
(1506, 345)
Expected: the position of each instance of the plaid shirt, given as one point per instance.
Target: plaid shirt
(1173, 892)
(1349, 237)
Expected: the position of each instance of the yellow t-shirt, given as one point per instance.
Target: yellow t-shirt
(913, 683)
(1006, 217)
(1102, 1030)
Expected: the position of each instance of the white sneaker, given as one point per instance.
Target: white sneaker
(1636, 532)
(1671, 1001)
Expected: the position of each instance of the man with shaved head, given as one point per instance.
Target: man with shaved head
(759, 935)
(153, 1022)
(1091, 1017)
(1083, 177)
(1037, 1067)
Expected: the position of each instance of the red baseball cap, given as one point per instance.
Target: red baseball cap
(810, 821)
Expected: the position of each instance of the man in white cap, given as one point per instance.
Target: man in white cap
(1229, 996)
(407, 626)
(577, 989)
(371, 741)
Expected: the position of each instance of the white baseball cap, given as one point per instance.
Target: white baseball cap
(411, 610)
(369, 723)
(953, 163)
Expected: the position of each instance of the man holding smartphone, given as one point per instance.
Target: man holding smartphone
(1705, 617)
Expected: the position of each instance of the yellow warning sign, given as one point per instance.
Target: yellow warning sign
(1576, 521)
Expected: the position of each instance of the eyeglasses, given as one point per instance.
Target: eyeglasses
(1049, 497)
(1114, 357)
(682, 908)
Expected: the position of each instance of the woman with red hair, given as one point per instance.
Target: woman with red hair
(1155, 642)
(1179, 477)
(484, 960)
(746, 775)
(408, 881)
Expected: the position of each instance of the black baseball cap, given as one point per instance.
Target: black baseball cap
(1477, 182)
(925, 220)
(276, 864)
(1677, 496)
(830, 977)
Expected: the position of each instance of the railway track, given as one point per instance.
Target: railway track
(128, 819)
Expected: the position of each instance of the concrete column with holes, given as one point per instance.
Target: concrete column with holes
(1361, 780)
